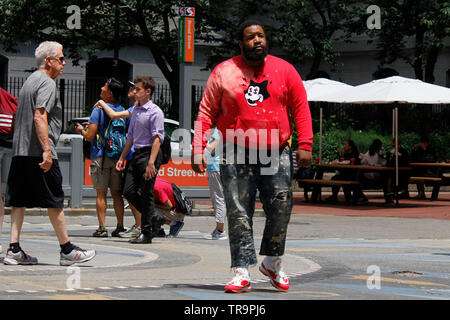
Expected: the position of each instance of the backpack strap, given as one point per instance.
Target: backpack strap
(100, 138)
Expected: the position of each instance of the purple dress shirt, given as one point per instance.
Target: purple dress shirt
(146, 122)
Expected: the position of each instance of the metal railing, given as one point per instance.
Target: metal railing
(78, 96)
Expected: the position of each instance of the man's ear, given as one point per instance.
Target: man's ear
(241, 45)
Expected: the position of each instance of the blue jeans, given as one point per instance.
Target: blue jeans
(240, 183)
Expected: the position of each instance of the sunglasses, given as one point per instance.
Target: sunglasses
(61, 59)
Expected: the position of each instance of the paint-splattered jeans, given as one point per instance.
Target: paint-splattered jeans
(240, 183)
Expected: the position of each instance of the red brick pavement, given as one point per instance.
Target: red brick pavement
(407, 208)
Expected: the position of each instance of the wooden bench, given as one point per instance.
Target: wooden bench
(324, 182)
(424, 179)
(436, 182)
(318, 183)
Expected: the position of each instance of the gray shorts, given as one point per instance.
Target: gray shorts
(105, 178)
(170, 215)
(216, 194)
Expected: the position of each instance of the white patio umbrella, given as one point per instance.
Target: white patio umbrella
(393, 90)
(317, 90)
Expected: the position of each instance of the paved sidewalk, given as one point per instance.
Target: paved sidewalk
(184, 261)
(328, 250)
(407, 208)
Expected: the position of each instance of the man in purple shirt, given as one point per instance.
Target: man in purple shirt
(146, 134)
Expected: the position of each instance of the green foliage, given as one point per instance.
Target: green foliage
(305, 29)
(409, 139)
(334, 139)
(441, 142)
(423, 22)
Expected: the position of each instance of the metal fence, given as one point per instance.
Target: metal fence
(78, 96)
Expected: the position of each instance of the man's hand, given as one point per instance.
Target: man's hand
(120, 165)
(47, 163)
(150, 171)
(198, 162)
(80, 127)
(304, 158)
(99, 104)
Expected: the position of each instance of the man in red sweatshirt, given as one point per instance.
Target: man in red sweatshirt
(250, 98)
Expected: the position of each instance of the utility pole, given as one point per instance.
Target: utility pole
(186, 58)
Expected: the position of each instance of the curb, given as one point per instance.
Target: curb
(206, 212)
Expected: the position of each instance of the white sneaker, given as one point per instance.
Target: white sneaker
(240, 283)
(18, 258)
(77, 255)
(216, 235)
(133, 232)
(278, 278)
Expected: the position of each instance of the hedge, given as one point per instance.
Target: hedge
(333, 139)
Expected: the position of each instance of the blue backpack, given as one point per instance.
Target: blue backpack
(115, 138)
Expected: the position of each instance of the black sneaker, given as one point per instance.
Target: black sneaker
(116, 232)
(175, 229)
(142, 238)
(100, 233)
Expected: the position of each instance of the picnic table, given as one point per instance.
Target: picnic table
(437, 179)
(318, 182)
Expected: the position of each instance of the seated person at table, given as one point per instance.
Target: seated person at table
(373, 157)
(403, 177)
(423, 152)
(349, 152)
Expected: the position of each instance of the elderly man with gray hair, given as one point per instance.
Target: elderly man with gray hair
(35, 178)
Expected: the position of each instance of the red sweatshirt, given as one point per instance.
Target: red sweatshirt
(256, 100)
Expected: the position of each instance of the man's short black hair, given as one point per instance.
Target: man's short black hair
(244, 25)
(116, 87)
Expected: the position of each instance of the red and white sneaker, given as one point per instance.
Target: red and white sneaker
(240, 282)
(278, 278)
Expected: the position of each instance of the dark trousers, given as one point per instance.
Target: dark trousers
(138, 191)
(346, 176)
(240, 183)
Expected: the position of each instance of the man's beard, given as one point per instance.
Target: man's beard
(252, 55)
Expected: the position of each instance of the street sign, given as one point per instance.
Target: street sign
(180, 173)
(187, 12)
(186, 35)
